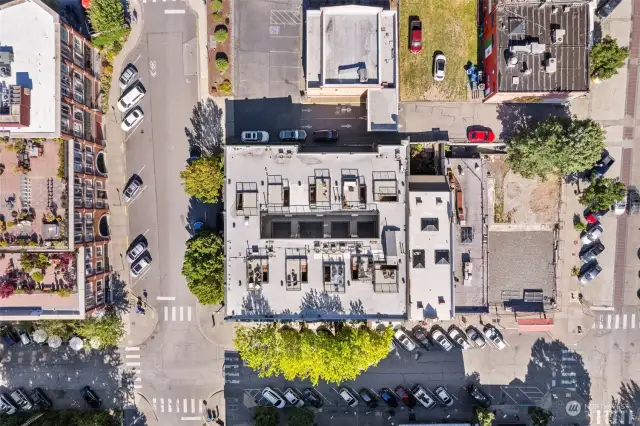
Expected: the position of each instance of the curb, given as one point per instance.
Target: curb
(198, 306)
(147, 400)
(155, 325)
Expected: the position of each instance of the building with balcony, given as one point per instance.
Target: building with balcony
(52, 78)
(315, 236)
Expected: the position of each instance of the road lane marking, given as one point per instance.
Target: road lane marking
(189, 313)
(193, 405)
(174, 11)
(617, 321)
(132, 356)
(138, 379)
(131, 348)
(200, 406)
(609, 321)
(191, 418)
(173, 313)
(624, 322)
(169, 407)
(137, 386)
(166, 313)
(166, 298)
(181, 313)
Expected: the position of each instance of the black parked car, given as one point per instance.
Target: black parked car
(40, 399)
(606, 7)
(311, 397)
(479, 395)
(368, 398)
(326, 135)
(90, 397)
(423, 337)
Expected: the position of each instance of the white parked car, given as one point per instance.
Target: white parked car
(348, 397)
(592, 235)
(273, 397)
(136, 251)
(444, 396)
(141, 264)
(442, 340)
(476, 337)
(422, 396)
(131, 97)
(404, 340)
(292, 398)
(439, 67)
(494, 337)
(254, 136)
(127, 76)
(457, 337)
(132, 119)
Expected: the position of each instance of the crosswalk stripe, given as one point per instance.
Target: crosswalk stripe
(133, 364)
(166, 313)
(609, 321)
(137, 386)
(132, 348)
(181, 313)
(137, 379)
(189, 308)
(193, 405)
(169, 399)
(597, 417)
(624, 322)
(177, 405)
(154, 403)
(633, 320)
(173, 313)
(200, 406)
(617, 321)
(162, 405)
(132, 356)
(184, 404)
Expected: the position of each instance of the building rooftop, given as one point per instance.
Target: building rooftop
(543, 48)
(315, 235)
(29, 31)
(431, 250)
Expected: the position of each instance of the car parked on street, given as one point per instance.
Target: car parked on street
(132, 119)
(368, 397)
(127, 76)
(24, 338)
(141, 264)
(476, 337)
(90, 397)
(311, 397)
(439, 67)
(590, 273)
(591, 235)
(423, 396)
(7, 406)
(601, 167)
(440, 338)
(388, 397)
(633, 206)
(481, 136)
(590, 252)
(134, 252)
(444, 396)
(254, 136)
(494, 337)
(132, 189)
(620, 207)
(21, 399)
(292, 398)
(293, 135)
(422, 336)
(326, 135)
(404, 340)
(477, 393)
(415, 33)
(606, 7)
(131, 97)
(348, 397)
(405, 396)
(457, 337)
(9, 335)
(273, 397)
(40, 399)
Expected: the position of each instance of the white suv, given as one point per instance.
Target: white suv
(131, 97)
(255, 136)
(292, 398)
(422, 396)
(348, 397)
(273, 398)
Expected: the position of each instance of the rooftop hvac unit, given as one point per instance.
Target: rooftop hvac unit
(5, 71)
(362, 73)
(550, 65)
(557, 35)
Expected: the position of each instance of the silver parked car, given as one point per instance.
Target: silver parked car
(134, 252)
(457, 337)
(293, 135)
(592, 235)
(590, 273)
(127, 76)
(21, 398)
(132, 189)
(404, 339)
(141, 264)
(442, 340)
(254, 136)
(476, 337)
(7, 406)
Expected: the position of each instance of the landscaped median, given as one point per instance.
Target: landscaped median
(448, 27)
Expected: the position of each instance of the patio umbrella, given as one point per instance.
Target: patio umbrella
(95, 343)
(39, 336)
(76, 343)
(54, 342)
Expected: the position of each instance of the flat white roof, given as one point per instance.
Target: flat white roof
(431, 252)
(382, 109)
(31, 32)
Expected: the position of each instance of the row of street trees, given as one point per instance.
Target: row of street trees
(107, 329)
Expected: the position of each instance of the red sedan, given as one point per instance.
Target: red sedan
(481, 136)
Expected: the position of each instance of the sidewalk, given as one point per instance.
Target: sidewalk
(216, 403)
(142, 413)
(213, 328)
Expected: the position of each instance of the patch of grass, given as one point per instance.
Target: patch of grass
(449, 27)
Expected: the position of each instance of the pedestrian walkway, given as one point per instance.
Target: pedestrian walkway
(566, 375)
(132, 360)
(619, 321)
(177, 313)
(186, 409)
(213, 327)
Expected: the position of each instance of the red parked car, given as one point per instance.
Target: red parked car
(481, 136)
(415, 33)
(406, 397)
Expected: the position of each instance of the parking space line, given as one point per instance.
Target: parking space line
(322, 395)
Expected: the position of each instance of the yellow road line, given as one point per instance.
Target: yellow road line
(126, 240)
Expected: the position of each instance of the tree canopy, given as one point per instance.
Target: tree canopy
(203, 267)
(66, 417)
(107, 20)
(307, 355)
(484, 417)
(606, 58)
(300, 417)
(602, 193)
(108, 329)
(265, 416)
(556, 145)
(203, 178)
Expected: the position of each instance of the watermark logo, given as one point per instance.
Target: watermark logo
(573, 408)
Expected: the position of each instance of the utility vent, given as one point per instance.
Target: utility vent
(512, 61)
(557, 35)
(362, 74)
(533, 48)
(550, 65)
(515, 80)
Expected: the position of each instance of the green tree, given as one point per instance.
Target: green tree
(221, 35)
(216, 5)
(37, 276)
(313, 356)
(300, 417)
(484, 417)
(602, 193)
(106, 16)
(203, 267)
(539, 417)
(31, 261)
(203, 178)
(222, 65)
(265, 416)
(556, 145)
(65, 329)
(108, 329)
(606, 58)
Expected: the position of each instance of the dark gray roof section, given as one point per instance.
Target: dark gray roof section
(524, 25)
(427, 183)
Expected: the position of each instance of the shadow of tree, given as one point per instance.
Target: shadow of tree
(316, 303)
(356, 307)
(256, 304)
(118, 296)
(206, 132)
(516, 118)
(627, 405)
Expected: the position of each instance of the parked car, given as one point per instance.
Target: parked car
(444, 396)
(404, 340)
(592, 234)
(442, 340)
(131, 97)
(479, 395)
(422, 336)
(21, 399)
(311, 397)
(634, 201)
(134, 252)
(348, 397)
(7, 406)
(601, 167)
(292, 398)
(494, 337)
(9, 336)
(273, 398)
(132, 119)
(476, 337)
(457, 337)
(40, 399)
(388, 397)
(141, 264)
(254, 136)
(406, 397)
(326, 135)
(368, 397)
(24, 338)
(293, 135)
(481, 136)
(620, 207)
(423, 397)
(132, 189)
(590, 273)
(415, 32)
(127, 76)
(591, 252)
(439, 66)
(90, 397)
(605, 9)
